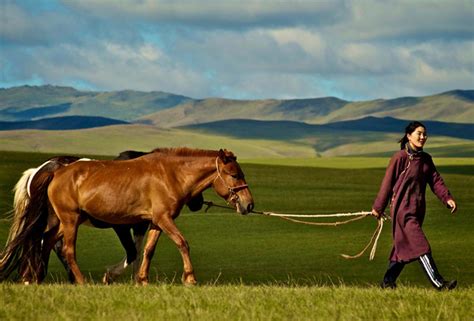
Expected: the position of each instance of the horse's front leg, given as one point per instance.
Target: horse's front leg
(148, 251)
(169, 227)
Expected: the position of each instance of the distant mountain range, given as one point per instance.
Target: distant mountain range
(162, 109)
(35, 102)
(330, 126)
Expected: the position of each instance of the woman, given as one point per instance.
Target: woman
(404, 184)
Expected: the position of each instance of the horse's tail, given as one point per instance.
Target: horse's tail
(20, 201)
(30, 216)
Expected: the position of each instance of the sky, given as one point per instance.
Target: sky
(241, 49)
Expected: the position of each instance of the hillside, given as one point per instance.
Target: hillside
(271, 142)
(456, 107)
(368, 136)
(61, 123)
(215, 109)
(34, 102)
(245, 128)
(75, 121)
(112, 140)
(169, 110)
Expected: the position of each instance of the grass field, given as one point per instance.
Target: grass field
(262, 268)
(232, 302)
(110, 140)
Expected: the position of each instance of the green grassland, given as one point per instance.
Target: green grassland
(232, 302)
(262, 268)
(110, 140)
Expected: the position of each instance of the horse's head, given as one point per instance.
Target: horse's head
(230, 182)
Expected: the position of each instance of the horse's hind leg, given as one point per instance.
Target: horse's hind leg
(58, 249)
(50, 239)
(69, 230)
(53, 241)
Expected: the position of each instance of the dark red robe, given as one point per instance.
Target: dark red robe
(404, 185)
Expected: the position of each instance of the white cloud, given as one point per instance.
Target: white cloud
(218, 14)
(250, 49)
(407, 20)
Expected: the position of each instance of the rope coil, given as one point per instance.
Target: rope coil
(357, 216)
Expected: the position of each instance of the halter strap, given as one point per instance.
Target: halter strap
(232, 189)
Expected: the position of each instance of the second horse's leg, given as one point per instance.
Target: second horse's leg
(139, 231)
(123, 233)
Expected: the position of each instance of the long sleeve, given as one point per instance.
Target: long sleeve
(388, 182)
(437, 184)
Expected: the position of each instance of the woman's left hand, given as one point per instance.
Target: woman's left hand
(452, 206)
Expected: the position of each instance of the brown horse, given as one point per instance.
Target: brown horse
(149, 188)
(27, 272)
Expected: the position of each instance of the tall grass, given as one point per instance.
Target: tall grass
(231, 302)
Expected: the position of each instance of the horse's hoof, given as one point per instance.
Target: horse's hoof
(107, 279)
(141, 281)
(190, 284)
(189, 280)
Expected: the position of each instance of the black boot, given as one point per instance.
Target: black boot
(390, 277)
(449, 285)
(429, 266)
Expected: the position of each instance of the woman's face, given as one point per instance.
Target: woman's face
(418, 138)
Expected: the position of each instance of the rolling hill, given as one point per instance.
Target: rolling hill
(267, 140)
(61, 123)
(35, 102)
(368, 136)
(455, 106)
(85, 122)
(245, 128)
(112, 140)
(169, 110)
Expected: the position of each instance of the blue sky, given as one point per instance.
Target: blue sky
(247, 49)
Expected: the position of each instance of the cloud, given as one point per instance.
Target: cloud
(409, 20)
(218, 14)
(241, 49)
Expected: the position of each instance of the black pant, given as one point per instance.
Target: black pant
(426, 262)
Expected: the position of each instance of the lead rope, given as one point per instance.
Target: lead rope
(359, 215)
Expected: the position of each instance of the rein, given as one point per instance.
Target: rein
(357, 216)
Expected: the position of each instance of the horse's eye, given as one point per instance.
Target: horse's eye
(235, 176)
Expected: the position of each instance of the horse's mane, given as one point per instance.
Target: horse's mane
(186, 151)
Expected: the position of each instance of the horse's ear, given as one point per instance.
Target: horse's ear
(223, 155)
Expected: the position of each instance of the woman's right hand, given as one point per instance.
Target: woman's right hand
(376, 214)
(452, 205)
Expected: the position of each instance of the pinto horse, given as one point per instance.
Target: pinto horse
(132, 246)
(146, 189)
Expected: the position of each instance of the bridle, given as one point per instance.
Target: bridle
(233, 197)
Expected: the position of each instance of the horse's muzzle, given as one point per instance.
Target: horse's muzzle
(243, 207)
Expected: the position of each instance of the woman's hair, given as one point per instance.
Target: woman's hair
(408, 130)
